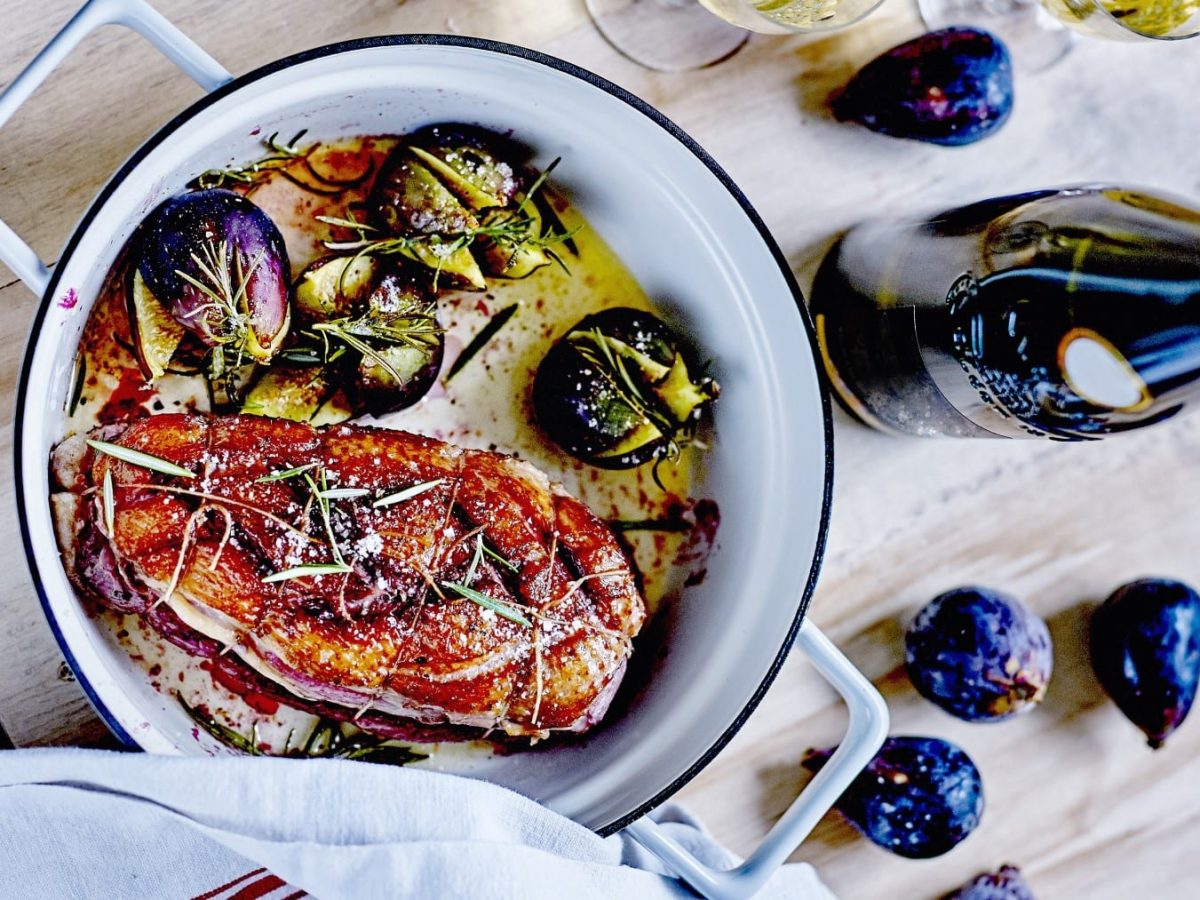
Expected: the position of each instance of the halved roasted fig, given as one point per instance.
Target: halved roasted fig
(475, 164)
(450, 263)
(156, 335)
(289, 392)
(220, 266)
(619, 390)
(584, 410)
(408, 199)
(410, 202)
(399, 343)
(516, 254)
(331, 287)
(397, 377)
(334, 410)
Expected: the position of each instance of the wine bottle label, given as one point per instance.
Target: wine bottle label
(995, 400)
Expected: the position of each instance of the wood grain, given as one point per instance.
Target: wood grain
(1074, 796)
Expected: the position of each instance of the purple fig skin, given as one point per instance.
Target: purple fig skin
(1146, 653)
(1006, 884)
(949, 87)
(980, 655)
(918, 798)
(196, 225)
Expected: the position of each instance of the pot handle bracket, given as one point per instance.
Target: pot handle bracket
(146, 21)
(865, 734)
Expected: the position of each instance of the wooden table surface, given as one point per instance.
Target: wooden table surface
(1073, 794)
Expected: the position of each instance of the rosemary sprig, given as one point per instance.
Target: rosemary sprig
(140, 459)
(224, 284)
(514, 229)
(408, 493)
(325, 741)
(481, 339)
(283, 157)
(324, 738)
(384, 753)
(342, 493)
(321, 494)
(440, 246)
(110, 503)
(679, 526)
(496, 557)
(286, 473)
(517, 229)
(309, 571)
(326, 518)
(500, 609)
(413, 325)
(222, 733)
(476, 559)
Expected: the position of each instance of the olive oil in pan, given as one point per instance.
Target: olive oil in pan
(485, 405)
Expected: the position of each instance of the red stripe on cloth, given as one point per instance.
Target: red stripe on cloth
(227, 885)
(296, 896)
(256, 889)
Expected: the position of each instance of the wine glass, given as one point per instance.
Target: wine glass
(680, 35)
(1034, 32)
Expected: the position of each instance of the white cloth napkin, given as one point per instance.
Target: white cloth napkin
(88, 823)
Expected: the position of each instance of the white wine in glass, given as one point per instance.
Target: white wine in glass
(680, 35)
(1036, 40)
(1130, 20)
(783, 16)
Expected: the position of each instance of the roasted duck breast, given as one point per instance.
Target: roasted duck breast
(383, 573)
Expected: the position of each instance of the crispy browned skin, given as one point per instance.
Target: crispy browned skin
(388, 636)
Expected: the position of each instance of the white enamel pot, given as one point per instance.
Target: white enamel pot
(684, 230)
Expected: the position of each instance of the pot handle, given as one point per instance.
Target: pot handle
(146, 21)
(864, 736)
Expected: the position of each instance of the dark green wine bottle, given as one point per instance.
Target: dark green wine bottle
(1068, 314)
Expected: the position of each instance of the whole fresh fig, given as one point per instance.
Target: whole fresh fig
(918, 798)
(219, 266)
(1006, 884)
(1146, 653)
(978, 654)
(950, 87)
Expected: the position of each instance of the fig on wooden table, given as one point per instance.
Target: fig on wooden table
(219, 266)
(918, 798)
(979, 654)
(1146, 653)
(1007, 883)
(949, 87)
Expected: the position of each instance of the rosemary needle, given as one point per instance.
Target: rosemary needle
(481, 339)
(408, 493)
(140, 459)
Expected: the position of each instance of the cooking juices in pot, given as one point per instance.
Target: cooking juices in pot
(441, 337)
